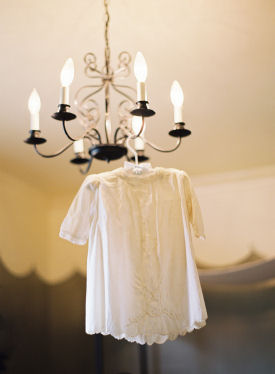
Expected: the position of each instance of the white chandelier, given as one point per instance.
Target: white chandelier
(131, 112)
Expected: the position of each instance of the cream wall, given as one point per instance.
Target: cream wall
(23, 226)
(238, 210)
(65, 258)
(239, 215)
(29, 225)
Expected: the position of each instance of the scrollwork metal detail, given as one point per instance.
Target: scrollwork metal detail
(87, 107)
(124, 108)
(91, 66)
(124, 60)
(125, 105)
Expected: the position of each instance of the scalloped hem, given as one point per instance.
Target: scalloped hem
(151, 339)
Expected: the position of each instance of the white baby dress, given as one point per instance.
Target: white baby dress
(142, 281)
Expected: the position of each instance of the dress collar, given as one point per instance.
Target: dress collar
(138, 169)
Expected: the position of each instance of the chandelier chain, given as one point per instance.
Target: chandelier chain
(106, 34)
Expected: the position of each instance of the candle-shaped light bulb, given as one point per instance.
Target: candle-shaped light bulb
(67, 73)
(140, 67)
(176, 94)
(79, 146)
(136, 126)
(140, 70)
(34, 105)
(177, 99)
(34, 102)
(66, 78)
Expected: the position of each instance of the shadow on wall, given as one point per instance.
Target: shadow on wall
(238, 338)
(42, 330)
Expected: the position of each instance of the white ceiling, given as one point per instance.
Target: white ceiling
(222, 52)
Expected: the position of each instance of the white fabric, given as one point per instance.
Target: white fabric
(142, 281)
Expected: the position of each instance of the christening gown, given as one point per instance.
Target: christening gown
(142, 280)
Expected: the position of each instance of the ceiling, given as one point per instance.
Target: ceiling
(222, 53)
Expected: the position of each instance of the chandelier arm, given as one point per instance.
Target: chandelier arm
(141, 129)
(115, 87)
(115, 135)
(128, 133)
(91, 138)
(125, 131)
(87, 168)
(134, 136)
(55, 154)
(124, 140)
(83, 136)
(163, 150)
(98, 134)
(66, 132)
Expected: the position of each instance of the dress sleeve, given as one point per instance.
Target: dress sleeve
(193, 208)
(76, 225)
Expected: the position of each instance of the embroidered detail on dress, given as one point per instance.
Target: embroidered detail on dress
(149, 284)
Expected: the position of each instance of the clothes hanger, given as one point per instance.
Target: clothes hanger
(138, 168)
(131, 149)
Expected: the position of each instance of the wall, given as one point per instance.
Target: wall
(239, 214)
(65, 258)
(23, 296)
(23, 226)
(238, 338)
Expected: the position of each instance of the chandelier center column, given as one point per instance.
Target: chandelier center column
(107, 71)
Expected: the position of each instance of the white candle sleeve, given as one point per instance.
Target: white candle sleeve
(177, 114)
(141, 91)
(79, 146)
(64, 96)
(35, 121)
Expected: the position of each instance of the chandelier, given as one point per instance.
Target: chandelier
(132, 110)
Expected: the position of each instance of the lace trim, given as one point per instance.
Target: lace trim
(153, 338)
